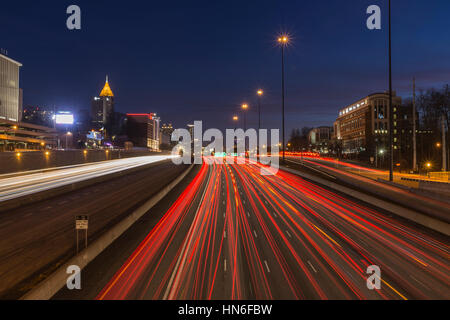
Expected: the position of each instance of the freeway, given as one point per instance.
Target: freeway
(236, 234)
(356, 169)
(19, 186)
(36, 238)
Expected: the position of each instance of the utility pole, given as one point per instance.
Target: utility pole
(414, 127)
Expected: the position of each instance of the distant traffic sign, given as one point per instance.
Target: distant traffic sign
(81, 222)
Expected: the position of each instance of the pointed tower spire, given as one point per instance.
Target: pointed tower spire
(106, 92)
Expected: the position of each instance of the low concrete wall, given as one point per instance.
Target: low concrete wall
(10, 161)
(51, 285)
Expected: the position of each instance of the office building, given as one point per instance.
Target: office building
(102, 108)
(166, 134)
(143, 129)
(319, 139)
(363, 126)
(10, 93)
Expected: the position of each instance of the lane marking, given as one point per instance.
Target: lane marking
(267, 266)
(419, 282)
(403, 297)
(225, 234)
(225, 265)
(326, 235)
(254, 232)
(312, 267)
(289, 235)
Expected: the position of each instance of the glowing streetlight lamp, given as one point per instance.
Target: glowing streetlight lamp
(67, 135)
(245, 107)
(283, 41)
(260, 92)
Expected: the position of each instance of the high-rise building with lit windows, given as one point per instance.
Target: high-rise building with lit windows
(102, 107)
(143, 129)
(363, 126)
(10, 93)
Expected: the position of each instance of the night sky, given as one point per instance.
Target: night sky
(199, 60)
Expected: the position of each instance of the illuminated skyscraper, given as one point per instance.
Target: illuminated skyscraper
(10, 93)
(102, 108)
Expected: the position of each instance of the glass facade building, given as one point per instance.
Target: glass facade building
(10, 93)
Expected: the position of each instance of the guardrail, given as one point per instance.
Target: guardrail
(442, 176)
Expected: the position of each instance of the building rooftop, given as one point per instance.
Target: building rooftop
(9, 59)
(106, 91)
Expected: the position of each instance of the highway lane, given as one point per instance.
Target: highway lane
(432, 205)
(236, 234)
(19, 186)
(36, 238)
(371, 173)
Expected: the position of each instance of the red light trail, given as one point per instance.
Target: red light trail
(236, 234)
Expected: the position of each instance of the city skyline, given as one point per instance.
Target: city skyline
(317, 85)
(231, 157)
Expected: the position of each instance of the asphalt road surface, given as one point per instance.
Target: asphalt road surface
(236, 234)
(37, 238)
(23, 185)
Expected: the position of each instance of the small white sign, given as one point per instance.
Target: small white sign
(81, 222)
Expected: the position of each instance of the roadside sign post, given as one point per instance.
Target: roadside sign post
(82, 223)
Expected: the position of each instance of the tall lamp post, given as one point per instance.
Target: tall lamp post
(260, 93)
(245, 107)
(67, 135)
(283, 41)
(391, 129)
(235, 119)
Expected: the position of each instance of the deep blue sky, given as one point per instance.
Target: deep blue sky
(199, 60)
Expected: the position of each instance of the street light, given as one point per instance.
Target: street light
(67, 135)
(245, 107)
(260, 92)
(391, 138)
(283, 40)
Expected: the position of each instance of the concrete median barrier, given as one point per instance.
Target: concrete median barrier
(53, 283)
